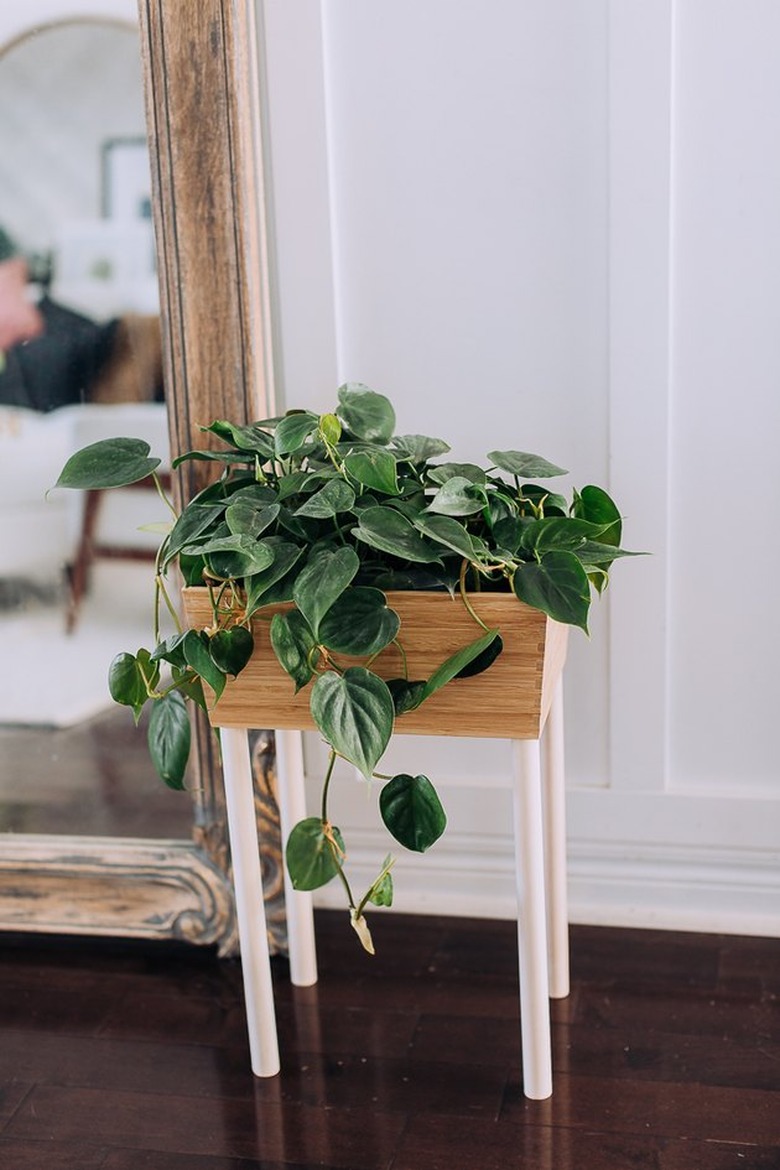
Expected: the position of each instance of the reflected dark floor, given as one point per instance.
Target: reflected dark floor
(94, 779)
(134, 1057)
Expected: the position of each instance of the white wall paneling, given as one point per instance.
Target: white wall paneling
(556, 223)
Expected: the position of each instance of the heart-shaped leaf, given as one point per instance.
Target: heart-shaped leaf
(293, 642)
(275, 583)
(557, 585)
(231, 649)
(195, 646)
(323, 578)
(368, 415)
(354, 712)
(336, 496)
(443, 472)
(407, 695)
(374, 469)
(452, 534)
(594, 504)
(419, 448)
(389, 531)
(412, 811)
(457, 497)
(169, 738)
(126, 683)
(293, 431)
(313, 854)
(484, 660)
(108, 463)
(359, 622)
(244, 518)
(522, 463)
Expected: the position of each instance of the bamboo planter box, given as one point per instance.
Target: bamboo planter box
(509, 700)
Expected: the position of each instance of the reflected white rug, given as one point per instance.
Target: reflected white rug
(53, 679)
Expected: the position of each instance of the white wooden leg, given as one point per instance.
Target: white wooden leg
(531, 920)
(554, 790)
(250, 908)
(298, 903)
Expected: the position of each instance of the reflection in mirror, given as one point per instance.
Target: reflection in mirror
(81, 359)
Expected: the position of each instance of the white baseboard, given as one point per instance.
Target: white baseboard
(651, 886)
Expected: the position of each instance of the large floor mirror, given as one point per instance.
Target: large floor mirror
(134, 230)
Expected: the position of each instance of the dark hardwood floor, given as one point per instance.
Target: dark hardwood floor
(120, 1056)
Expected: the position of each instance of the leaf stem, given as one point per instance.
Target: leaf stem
(464, 596)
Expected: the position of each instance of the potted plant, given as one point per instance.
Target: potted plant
(373, 577)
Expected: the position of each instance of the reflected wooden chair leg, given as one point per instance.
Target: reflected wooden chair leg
(531, 919)
(298, 903)
(554, 790)
(248, 885)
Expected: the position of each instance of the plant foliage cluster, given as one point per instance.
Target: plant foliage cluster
(327, 512)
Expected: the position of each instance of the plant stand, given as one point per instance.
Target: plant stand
(519, 698)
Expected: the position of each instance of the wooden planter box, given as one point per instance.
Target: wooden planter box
(510, 700)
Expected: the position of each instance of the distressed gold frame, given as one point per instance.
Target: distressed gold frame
(203, 114)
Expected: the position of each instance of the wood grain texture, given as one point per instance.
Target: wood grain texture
(511, 699)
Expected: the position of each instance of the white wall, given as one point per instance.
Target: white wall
(553, 225)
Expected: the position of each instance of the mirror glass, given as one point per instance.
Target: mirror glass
(81, 360)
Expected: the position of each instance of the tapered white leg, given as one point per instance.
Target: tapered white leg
(250, 908)
(554, 790)
(531, 920)
(298, 903)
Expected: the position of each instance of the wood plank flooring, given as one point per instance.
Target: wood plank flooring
(117, 1056)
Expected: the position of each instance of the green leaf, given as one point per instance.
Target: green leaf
(522, 463)
(248, 438)
(354, 712)
(126, 684)
(419, 448)
(407, 695)
(374, 469)
(233, 556)
(330, 429)
(381, 891)
(558, 532)
(597, 554)
(265, 587)
(195, 646)
(336, 496)
(293, 431)
(593, 504)
(368, 415)
(311, 857)
(452, 534)
(457, 497)
(323, 578)
(443, 472)
(457, 662)
(389, 531)
(359, 622)
(412, 811)
(484, 660)
(108, 463)
(169, 738)
(231, 649)
(557, 585)
(293, 642)
(189, 526)
(245, 518)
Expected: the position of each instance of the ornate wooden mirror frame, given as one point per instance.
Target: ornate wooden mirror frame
(202, 86)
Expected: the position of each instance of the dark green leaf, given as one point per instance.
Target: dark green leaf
(359, 622)
(557, 585)
(593, 504)
(368, 415)
(484, 660)
(457, 497)
(189, 526)
(245, 518)
(376, 470)
(522, 463)
(293, 642)
(354, 712)
(389, 531)
(558, 532)
(412, 811)
(419, 448)
(407, 695)
(323, 578)
(248, 438)
(231, 649)
(196, 654)
(313, 857)
(443, 472)
(457, 662)
(336, 496)
(171, 650)
(266, 587)
(452, 534)
(108, 463)
(293, 431)
(169, 738)
(126, 683)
